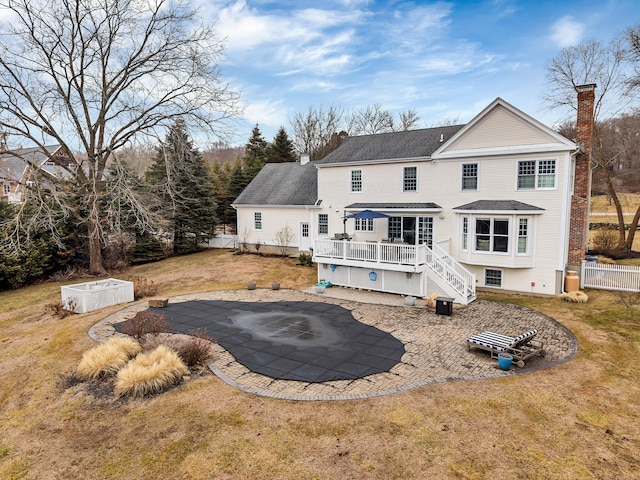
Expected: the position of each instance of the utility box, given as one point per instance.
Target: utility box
(444, 306)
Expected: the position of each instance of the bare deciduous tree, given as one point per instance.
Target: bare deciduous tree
(313, 130)
(592, 62)
(93, 76)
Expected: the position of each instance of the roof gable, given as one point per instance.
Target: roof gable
(282, 184)
(502, 128)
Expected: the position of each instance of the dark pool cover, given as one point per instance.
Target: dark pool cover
(304, 341)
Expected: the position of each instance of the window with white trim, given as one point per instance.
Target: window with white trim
(469, 176)
(492, 235)
(257, 220)
(492, 277)
(394, 229)
(523, 235)
(536, 174)
(364, 224)
(323, 223)
(425, 231)
(356, 181)
(6, 188)
(465, 233)
(410, 179)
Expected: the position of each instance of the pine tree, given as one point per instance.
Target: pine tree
(281, 150)
(255, 153)
(182, 180)
(238, 180)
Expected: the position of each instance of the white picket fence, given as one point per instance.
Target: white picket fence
(610, 277)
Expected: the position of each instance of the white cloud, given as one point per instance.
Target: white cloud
(567, 32)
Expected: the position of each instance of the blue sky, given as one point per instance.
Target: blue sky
(443, 59)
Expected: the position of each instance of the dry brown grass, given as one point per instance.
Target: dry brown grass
(579, 420)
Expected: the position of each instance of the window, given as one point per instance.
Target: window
(305, 230)
(534, 174)
(410, 179)
(523, 235)
(493, 278)
(323, 223)
(492, 235)
(257, 220)
(356, 181)
(395, 227)
(6, 188)
(425, 231)
(469, 176)
(465, 233)
(364, 224)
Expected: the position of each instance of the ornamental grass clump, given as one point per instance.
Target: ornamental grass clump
(107, 359)
(150, 373)
(575, 297)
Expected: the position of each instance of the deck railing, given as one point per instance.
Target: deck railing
(452, 271)
(387, 255)
(371, 252)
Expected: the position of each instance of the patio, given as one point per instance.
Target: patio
(435, 345)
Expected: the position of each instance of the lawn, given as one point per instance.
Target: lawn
(574, 421)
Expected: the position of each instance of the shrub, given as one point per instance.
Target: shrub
(196, 351)
(107, 359)
(605, 241)
(143, 287)
(150, 373)
(305, 259)
(145, 322)
(61, 310)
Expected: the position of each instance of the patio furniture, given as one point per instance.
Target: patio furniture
(521, 347)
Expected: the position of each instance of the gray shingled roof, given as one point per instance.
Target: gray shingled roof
(391, 206)
(388, 146)
(498, 205)
(282, 184)
(13, 165)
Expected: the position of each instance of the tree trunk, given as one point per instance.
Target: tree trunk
(632, 230)
(612, 190)
(95, 245)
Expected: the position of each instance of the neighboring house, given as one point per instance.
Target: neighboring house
(489, 204)
(16, 172)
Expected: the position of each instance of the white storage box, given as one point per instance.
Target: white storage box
(89, 296)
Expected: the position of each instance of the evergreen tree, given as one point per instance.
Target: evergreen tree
(281, 150)
(182, 180)
(255, 154)
(238, 180)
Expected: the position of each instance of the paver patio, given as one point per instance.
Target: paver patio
(435, 345)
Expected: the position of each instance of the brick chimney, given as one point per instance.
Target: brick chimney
(579, 219)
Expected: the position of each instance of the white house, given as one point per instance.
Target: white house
(486, 204)
(16, 168)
